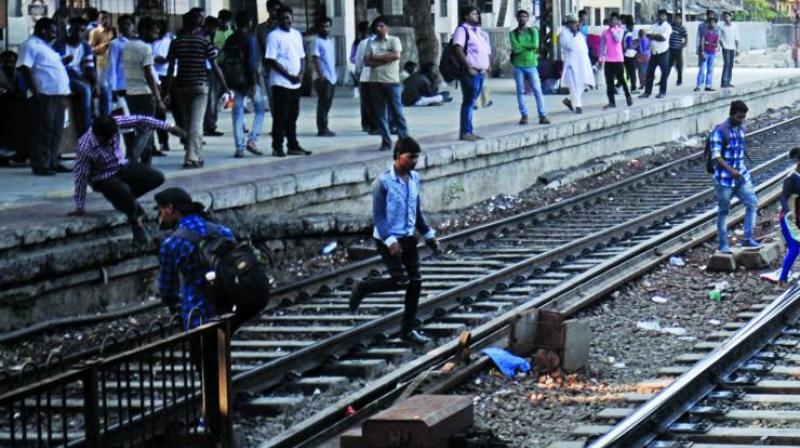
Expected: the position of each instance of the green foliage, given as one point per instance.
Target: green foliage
(755, 11)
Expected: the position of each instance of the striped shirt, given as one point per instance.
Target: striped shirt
(677, 36)
(96, 162)
(191, 52)
(734, 154)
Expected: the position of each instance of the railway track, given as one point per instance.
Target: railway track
(737, 389)
(308, 356)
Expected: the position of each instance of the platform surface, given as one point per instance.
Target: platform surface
(31, 199)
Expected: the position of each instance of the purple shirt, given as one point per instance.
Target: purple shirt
(95, 162)
(477, 48)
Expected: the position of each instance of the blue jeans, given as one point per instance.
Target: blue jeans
(105, 93)
(727, 66)
(385, 100)
(471, 86)
(746, 193)
(82, 91)
(238, 116)
(530, 74)
(268, 88)
(792, 248)
(705, 70)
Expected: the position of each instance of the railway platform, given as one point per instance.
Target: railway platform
(42, 247)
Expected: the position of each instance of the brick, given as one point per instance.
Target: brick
(721, 262)
(275, 188)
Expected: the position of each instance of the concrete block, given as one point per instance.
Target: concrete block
(233, 196)
(275, 188)
(756, 259)
(522, 332)
(577, 340)
(350, 174)
(438, 157)
(466, 150)
(721, 262)
(565, 130)
(314, 180)
(595, 124)
(422, 421)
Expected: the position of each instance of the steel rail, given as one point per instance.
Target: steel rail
(640, 258)
(654, 417)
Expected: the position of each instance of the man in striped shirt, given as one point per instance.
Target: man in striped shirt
(101, 163)
(677, 42)
(190, 51)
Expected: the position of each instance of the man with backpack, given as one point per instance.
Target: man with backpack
(241, 72)
(725, 158)
(204, 272)
(472, 52)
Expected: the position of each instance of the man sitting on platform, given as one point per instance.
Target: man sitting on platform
(101, 162)
(422, 89)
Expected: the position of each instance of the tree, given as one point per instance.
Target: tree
(418, 13)
(755, 11)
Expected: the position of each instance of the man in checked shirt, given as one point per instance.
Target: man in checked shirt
(103, 165)
(731, 176)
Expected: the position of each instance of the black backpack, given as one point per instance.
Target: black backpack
(726, 135)
(240, 284)
(450, 65)
(233, 65)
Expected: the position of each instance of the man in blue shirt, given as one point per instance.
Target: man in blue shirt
(323, 54)
(731, 176)
(79, 61)
(181, 280)
(116, 68)
(397, 212)
(46, 77)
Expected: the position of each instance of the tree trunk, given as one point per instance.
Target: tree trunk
(418, 13)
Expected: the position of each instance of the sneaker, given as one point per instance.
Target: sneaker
(164, 147)
(568, 103)
(679, 83)
(544, 120)
(356, 297)
(751, 243)
(578, 110)
(252, 149)
(298, 151)
(697, 89)
(238, 154)
(213, 133)
(278, 153)
(629, 100)
(772, 277)
(469, 138)
(326, 133)
(609, 106)
(661, 95)
(644, 95)
(523, 119)
(414, 337)
(725, 249)
(709, 89)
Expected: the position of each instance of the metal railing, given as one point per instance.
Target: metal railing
(172, 392)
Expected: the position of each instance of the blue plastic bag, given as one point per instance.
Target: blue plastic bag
(507, 363)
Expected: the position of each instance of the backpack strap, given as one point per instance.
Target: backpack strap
(195, 237)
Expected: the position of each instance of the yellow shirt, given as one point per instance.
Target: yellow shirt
(99, 40)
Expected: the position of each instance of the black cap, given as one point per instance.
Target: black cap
(179, 198)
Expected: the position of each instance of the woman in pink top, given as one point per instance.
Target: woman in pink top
(612, 57)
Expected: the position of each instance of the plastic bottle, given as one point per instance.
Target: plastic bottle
(715, 295)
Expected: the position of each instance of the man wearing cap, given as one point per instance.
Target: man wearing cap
(577, 73)
(659, 49)
(101, 163)
(181, 280)
(397, 212)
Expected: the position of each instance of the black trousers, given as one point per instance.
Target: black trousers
(15, 126)
(404, 274)
(661, 61)
(631, 71)
(212, 106)
(615, 70)
(175, 107)
(131, 182)
(284, 117)
(365, 99)
(163, 136)
(325, 92)
(676, 60)
(47, 129)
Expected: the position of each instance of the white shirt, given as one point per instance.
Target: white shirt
(665, 29)
(160, 47)
(286, 47)
(728, 35)
(47, 70)
(136, 56)
(361, 51)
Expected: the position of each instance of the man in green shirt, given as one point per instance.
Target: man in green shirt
(524, 58)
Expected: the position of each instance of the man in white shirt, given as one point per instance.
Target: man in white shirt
(286, 58)
(659, 49)
(47, 79)
(363, 72)
(729, 38)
